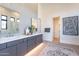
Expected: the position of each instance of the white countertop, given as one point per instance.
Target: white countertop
(18, 37)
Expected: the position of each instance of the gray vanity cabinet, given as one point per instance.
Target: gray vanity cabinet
(10, 51)
(22, 48)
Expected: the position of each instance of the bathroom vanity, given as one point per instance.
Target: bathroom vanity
(19, 45)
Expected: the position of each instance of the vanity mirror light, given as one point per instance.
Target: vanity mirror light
(12, 19)
(18, 20)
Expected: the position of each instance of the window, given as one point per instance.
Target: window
(3, 22)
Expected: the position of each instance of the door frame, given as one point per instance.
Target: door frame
(53, 28)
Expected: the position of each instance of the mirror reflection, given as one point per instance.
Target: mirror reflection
(3, 22)
(36, 25)
(9, 22)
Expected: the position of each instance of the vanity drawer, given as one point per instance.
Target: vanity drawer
(12, 43)
(2, 46)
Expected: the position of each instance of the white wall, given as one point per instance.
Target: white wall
(63, 10)
(46, 12)
(25, 14)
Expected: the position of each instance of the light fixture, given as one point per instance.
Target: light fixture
(12, 19)
(18, 20)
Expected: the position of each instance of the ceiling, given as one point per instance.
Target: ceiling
(58, 5)
(32, 6)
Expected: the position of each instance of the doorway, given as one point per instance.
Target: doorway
(56, 29)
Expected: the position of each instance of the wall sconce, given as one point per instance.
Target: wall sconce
(17, 20)
(12, 19)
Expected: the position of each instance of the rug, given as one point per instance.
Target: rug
(58, 51)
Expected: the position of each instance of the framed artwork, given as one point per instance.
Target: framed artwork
(70, 25)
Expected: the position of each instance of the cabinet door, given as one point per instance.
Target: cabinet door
(10, 51)
(39, 39)
(22, 49)
(2, 46)
(34, 41)
(31, 43)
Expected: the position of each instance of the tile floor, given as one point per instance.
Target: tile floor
(39, 48)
